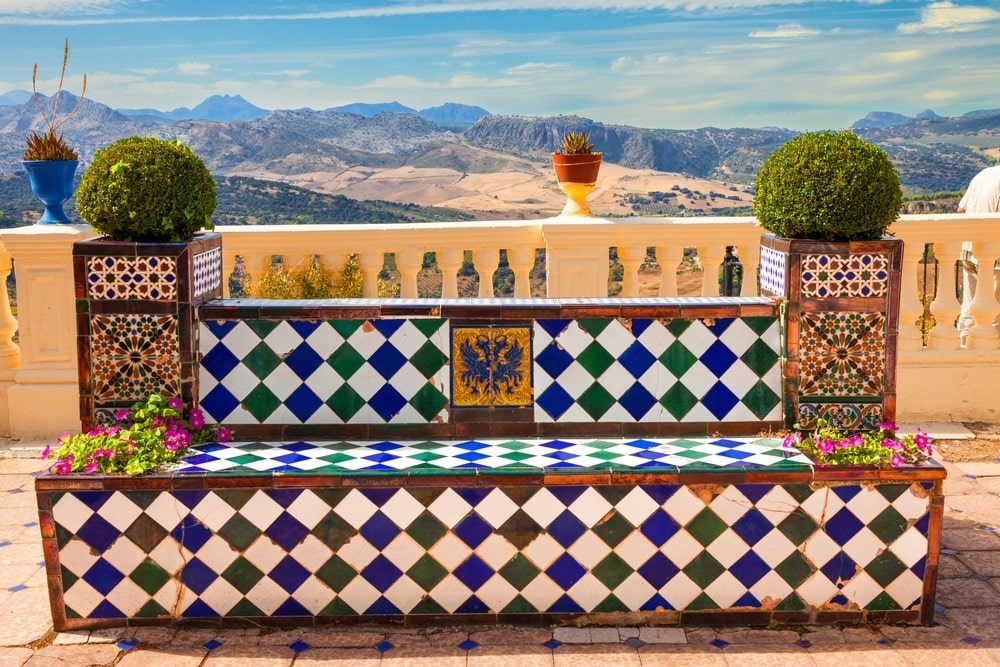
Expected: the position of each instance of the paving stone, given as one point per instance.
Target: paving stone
(14, 656)
(982, 562)
(424, 656)
(969, 539)
(950, 566)
(258, 656)
(509, 636)
(604, 636)
(662, 635)
(163, 657)
(27, 554)
(854, 655)
(446, 638)
(408, 639)
(71, 637)
(979, 468)
(572, 635)
(12, 466)
(75, 654)
(506, 656)
(154, 635)
(193, 636)
(24, 617)
(355, 657)
(821, 636)
(757, 636)
(280, 637)
(983, 623)
(924, 654)
(764, 656)
(700, 636)
(681, 655)
(966, 593)
(331, 637)
(860, 635)
(606, 655)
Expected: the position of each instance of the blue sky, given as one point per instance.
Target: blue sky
(800, 64)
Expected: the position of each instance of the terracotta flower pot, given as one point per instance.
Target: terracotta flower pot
(577, 176)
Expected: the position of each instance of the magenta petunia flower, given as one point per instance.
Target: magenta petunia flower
(196, 419)
(175, 403)
(224, 434)
(790, 440)
(123, 414)
(896, 460)
(47, 452)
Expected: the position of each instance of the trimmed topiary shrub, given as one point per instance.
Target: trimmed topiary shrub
(830, 186)
(146, 189)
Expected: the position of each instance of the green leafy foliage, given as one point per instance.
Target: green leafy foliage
(830, 186)
(576, 143)
(879, 447)
(144, 438)
(147, 189)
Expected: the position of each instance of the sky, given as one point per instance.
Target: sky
(680, 64)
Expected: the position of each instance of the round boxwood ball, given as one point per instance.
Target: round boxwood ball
(146, 189)
(830, 186)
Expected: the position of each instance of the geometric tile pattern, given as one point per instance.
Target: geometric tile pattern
(650, 370)
(133, 356)
(470, 549)
(491, 366)
(846, 416)
(130, 277)
(388, 370)
(772, 270)
(529, 455)
(842, 354)
(207, 271)
(861, 274)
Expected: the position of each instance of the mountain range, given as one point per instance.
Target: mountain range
(441, 155)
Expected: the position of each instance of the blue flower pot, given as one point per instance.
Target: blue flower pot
(52, 182)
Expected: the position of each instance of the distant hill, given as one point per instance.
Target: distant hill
(15, 97)
(221, 108)
(369, 110)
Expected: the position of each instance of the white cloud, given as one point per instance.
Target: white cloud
(194, 68)
(55, 6)
(785, 31)
(948, 17)
(293, 73)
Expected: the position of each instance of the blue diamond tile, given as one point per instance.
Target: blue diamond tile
(565, 571)
(718, 358)
(566, 528)
(637, 401)
(748, 570)
(659, 527)
(198, 576)
(383, 607)
(553, 327)
(636, 359)
(219, 361)
(212, 644)
(840, 568)
(387, 360)
(289, 574)
(219, 403)
(468, 645)
(387, 402)
(554, 360)
(658, 570)
(286, 531)
(472, 530)
(387, 326)
(103, 576)
(191, 533)
(379, 530)
(383, 646)
(127, 644)
(752, 527)
(842, 526)
(719, 400)
(473, 572)
(555, 401)
(552, 644)
(97, 532)
(299, 646)
(303, 361)
(719, 643)
(303, 402)
(381, 573)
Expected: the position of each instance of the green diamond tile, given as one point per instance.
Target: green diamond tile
(678, 325)
(703, 569)
(702, 602)
(797, 527)
(338, 607)
(426, 529)
(883, 602)
(242, 574)
(429, 359)
(611, 604)
(427, 326)
(149, 576)
(345, 328)
(261, 327)
(594, 325)
(519, 529)
(519, 571)
(336, 458)
(336, 573)
(345, 402)
(239, 532)
(891, 491)
(333, 531)
(759, 357)
(596, 400)
(759, 324)
(612, 571)
(428, 605)
(678, 401)
(519, 606)
(427, 572)
(677, 358)
(145, 533)
(68, 578)
(795, 569)
(237, 498)
(595, 359)
(613, 495)
(706, 526)
(761, 399)
(888, 525)
(885, 567)
(791, 603)
(261, 360)
(261, 402)
(152, 609)
(800, 492)
(346, 361)
(428, 401)
(245, 608)
(614, 529)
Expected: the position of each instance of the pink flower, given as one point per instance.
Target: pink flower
(123, 414)
(896, 460)
(196, 419)
(790, 440)
(175, 403)
(47, 452)
(892, 443)
(224, 434)
(156, 422)
(888, 426)
(922, 441)
(826, 446)
(90, 467)
(63, 466)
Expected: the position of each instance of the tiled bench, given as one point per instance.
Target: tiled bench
(380, 475)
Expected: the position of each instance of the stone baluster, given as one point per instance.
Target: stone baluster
(408, 262)
(371, 262)
(711, 258)
(750, 258)
(10, 353)
(449, 261)
(945, 307)
(521, 260)
(631, 258)
(481, 259)
(669, 257)
(910, 307)
(983, 307)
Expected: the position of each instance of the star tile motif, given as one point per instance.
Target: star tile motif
(133, 356)
(842, 354)
(126, 277)
(864, 275)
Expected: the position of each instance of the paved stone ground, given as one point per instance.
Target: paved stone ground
(966, 632)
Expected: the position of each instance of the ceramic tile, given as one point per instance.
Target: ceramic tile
(772, 270)
(126, 277)
(207, 272)
(134, 355)
(855, 275)
(491, 366)
(842, 355)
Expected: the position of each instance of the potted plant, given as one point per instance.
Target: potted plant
(139, 283)
(826, 200)
(577, 166)
(48, 159)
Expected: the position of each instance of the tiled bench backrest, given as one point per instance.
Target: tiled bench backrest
(491, 368)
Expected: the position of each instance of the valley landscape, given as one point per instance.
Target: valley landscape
(389, 163)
